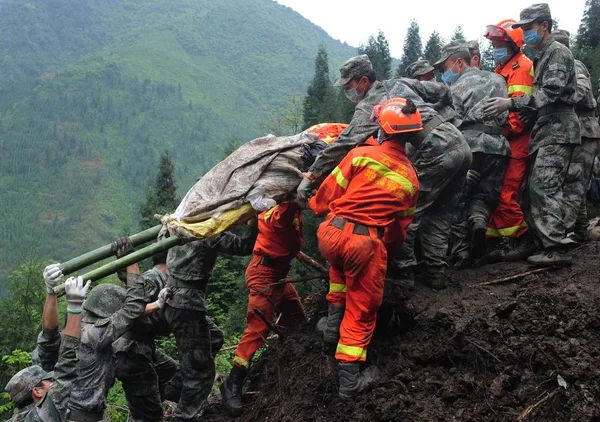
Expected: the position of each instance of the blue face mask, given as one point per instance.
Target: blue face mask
(500, 55)
(450, 76)
(531, 37)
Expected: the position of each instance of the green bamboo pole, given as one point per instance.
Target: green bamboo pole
(106, 251)
(132, 258)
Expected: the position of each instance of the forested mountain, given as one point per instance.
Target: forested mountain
(91, 92)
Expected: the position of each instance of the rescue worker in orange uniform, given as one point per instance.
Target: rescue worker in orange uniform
(508, 221)
(372, 192)
(279, 241)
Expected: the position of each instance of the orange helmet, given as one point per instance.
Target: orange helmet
(505, 32)
(398, 115)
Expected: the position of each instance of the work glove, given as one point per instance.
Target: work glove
(496, 106)
(164, 295)
(262, 203)
(473, 178)
(528, 116)
(76, 290)
(52, 275)
(122, 247)
(304, 190)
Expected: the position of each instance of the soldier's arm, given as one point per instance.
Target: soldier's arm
(233, 244)
(360, 129)
(48, 347)
(431, 92)
(551, 87)
(584, 84)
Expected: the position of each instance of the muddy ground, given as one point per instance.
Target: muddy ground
(523, 350)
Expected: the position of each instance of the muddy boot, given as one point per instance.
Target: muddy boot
(352, 381)
(231, 391)
(555, 257)
(434, 280)
(404, 278)
(521, 248)
(330, 326)
(478, 237)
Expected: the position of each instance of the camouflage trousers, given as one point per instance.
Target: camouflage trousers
(197, 366)
(441, 174)
(143, 382)
(478, 201)
(577, 183)
(543, 200)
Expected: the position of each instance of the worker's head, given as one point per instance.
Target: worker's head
(398, 118)
(473, 47)
(455, 59)
(29, 385)
(421, 70)
(356, 76)
(103, 301)
(506, 40)
(563, 37)
(536, 22)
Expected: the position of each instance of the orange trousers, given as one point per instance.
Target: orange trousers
(356, 276)
(267, 299)
(507, 220)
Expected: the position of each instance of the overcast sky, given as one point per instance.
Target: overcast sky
(353, 21)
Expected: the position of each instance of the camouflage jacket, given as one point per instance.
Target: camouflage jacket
(139, 339)
(554, 84)
(96, 369)
(47, 350)
(586, 103)
(469, 94)
(194, 262)
(53, 406)
(361, 128)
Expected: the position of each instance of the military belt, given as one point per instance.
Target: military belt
(182, 284)
(363, 230)
(282, 263)
(555, 108)
(419, 136)
(78, 416)
(490, 130)
(586, 112)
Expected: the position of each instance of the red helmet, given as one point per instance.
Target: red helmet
(504, 31)
(394, 118)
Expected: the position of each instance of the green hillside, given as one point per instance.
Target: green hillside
(92, 92)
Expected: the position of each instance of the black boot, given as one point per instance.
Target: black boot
(478, 237)
(231, 391)
(521, 248)
(352, 381)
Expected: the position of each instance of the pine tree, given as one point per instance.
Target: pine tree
(413, 48)
(459, 36)
(433, 48)
(378, 50)
(318, 91)
(487, 57)
(161, 197)
(589, 29)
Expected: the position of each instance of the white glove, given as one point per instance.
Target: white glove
(76, 291)
(163, 296)
(262, 203)
(52, 274)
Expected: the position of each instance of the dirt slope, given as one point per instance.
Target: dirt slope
(465, 354)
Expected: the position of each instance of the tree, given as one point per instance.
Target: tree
(162, 193)
(589, 29)
(313, 108)
(487, 57)
(378, 50)
(458, 35)
(433, 48)
(285, 120)
(413, 48)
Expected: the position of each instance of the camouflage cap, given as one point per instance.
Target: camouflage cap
(533, 13)
(419, 68)
(562, 36)
(22, 383)
(353, 68)
(473, 47)
(450, 50)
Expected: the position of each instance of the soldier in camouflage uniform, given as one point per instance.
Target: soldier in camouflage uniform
(554, 136)
(42, 396)
(579, 176)
(420, 70)
(470, 88)
(190, 267)
(440, 156)
(109, 312)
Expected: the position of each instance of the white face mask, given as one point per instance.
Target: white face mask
(353, 95)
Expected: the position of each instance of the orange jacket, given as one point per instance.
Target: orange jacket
(373, 185)
(327, 132)
(518, 73)
(279, 231)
